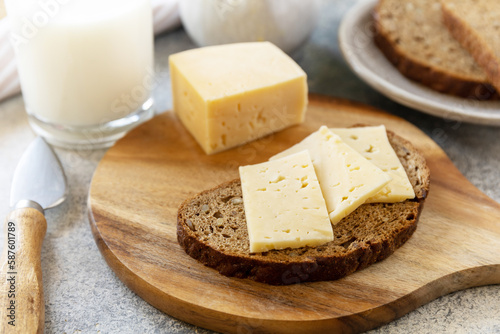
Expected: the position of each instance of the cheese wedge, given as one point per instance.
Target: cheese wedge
(228, 95)
(372, 143)
(346, 178)
(283, 203)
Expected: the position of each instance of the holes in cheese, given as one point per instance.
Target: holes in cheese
(372, 143)
(284, 206)
(346, 178)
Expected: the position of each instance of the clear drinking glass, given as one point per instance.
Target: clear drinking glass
(85, 66)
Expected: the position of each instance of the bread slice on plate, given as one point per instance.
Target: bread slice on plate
(476, 25)
(413, 37)
(211, 228)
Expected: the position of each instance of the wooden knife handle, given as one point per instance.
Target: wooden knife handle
(22, 309)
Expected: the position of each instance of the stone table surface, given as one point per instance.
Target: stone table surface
(82, 295)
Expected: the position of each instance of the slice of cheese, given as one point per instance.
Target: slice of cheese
(346, 178)
(227, 95)
(283, 203)
(372, 143)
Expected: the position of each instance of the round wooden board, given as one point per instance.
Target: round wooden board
(142, 180)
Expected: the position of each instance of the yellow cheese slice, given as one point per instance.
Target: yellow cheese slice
(346, 178)
(372, 143)
(283, 203)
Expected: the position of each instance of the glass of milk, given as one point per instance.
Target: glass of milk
(85, 66)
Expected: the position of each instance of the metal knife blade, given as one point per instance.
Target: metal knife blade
(39, 177)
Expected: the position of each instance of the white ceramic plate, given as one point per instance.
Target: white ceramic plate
(366, 60)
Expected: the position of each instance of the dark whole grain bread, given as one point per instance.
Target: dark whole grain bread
(413, 37)
(211, 228)
(476, 25)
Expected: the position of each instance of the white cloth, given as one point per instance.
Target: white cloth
(165, 17)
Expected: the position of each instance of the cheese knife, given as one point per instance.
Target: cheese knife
(39, 183)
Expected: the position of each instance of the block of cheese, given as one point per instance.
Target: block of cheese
(346, 178)
(372, 143)
(231, 94)
(284, 207)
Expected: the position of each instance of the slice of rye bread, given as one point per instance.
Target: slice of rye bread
(413, 37)
(211, 228)
(476, 25)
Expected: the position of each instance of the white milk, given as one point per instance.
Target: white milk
(83, 62)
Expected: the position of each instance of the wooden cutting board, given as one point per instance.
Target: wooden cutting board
(141, 181)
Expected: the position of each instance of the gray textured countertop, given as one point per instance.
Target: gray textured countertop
(82, 295)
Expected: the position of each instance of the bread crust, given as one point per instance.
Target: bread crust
(310, 265)
(474, 43)
(427, 75)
